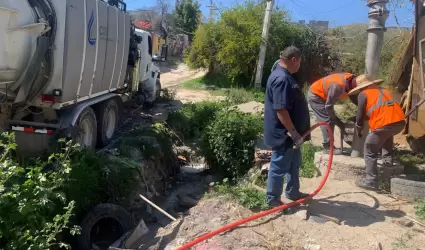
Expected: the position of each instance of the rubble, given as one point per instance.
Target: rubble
(347, 167)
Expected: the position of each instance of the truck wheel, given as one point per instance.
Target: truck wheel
(408, 186)
(103, 225)
(109, 114)
(158, 89)
(88, 129)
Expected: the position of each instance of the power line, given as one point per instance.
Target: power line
(212, 8)
(332, 10)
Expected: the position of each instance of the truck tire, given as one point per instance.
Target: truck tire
(105, 223)
(109, 116)
(88, 129)
(410, 186)
(157, 89)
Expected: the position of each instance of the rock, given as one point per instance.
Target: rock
(265, 167)
(135, 237)
(160, 117)
(187, 201)
(193, 169)
(347, 167)
(302, 213)
(209, 179)
(421, 167)
(311, 245)
(405, 222)
(209, 246)
(318, 219)
(175, 244)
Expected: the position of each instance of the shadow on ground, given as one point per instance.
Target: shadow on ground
(352, 213)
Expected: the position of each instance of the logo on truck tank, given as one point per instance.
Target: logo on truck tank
(91, 40)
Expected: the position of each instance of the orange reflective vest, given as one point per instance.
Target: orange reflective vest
(321, 86)
(381, 108)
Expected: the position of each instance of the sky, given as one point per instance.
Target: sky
(337, 12)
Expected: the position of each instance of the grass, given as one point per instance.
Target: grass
(308, 169)
(410, 160)
(420, 209)
(243, 194)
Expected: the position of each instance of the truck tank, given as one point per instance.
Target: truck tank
(72, 50)
(19, 30)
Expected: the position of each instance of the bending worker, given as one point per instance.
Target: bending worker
(386, 119)
(324, 94)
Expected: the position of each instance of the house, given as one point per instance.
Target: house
(409, 79)
(150, 21)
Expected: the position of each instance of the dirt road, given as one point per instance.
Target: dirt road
(173, 76)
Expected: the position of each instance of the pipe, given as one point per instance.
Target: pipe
(378, 15)
(276, 209)
(157, 208)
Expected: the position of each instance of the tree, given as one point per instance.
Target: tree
(187, 16)
(162, 8)
(230, 46)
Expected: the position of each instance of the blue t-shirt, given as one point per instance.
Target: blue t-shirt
(283, 92)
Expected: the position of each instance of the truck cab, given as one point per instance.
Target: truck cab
(149, 73)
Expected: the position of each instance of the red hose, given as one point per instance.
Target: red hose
(264, 213)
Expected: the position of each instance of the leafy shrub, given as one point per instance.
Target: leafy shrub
(228, 143)
(230, 46)
(99, 178)
(191, 120)
(239, 96)
(244, 194)
(33, 208)
(308, 169)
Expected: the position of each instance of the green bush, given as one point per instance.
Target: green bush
(228, 143)
(239, 96)
(308, 169)
(33, 207)
(244, 194)
(191, 120)
(231, 45)
(99, 178)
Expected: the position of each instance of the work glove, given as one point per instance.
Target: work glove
(296, 138)
(359, 131)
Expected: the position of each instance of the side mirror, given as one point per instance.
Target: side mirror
(163, 56)
(138, 39)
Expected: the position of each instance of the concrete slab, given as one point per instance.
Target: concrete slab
(347, 167)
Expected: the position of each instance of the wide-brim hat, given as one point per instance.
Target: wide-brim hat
(363, 81)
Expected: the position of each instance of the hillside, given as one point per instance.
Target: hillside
(354, 36)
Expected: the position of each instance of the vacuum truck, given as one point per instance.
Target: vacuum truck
(67, 67)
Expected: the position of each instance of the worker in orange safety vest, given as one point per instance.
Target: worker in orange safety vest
(386, 119)
(324, 94)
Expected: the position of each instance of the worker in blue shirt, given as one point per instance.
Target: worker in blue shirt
(286, 118)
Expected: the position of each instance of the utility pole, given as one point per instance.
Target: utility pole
(378, 15)
(212, 9)
(264, 41)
